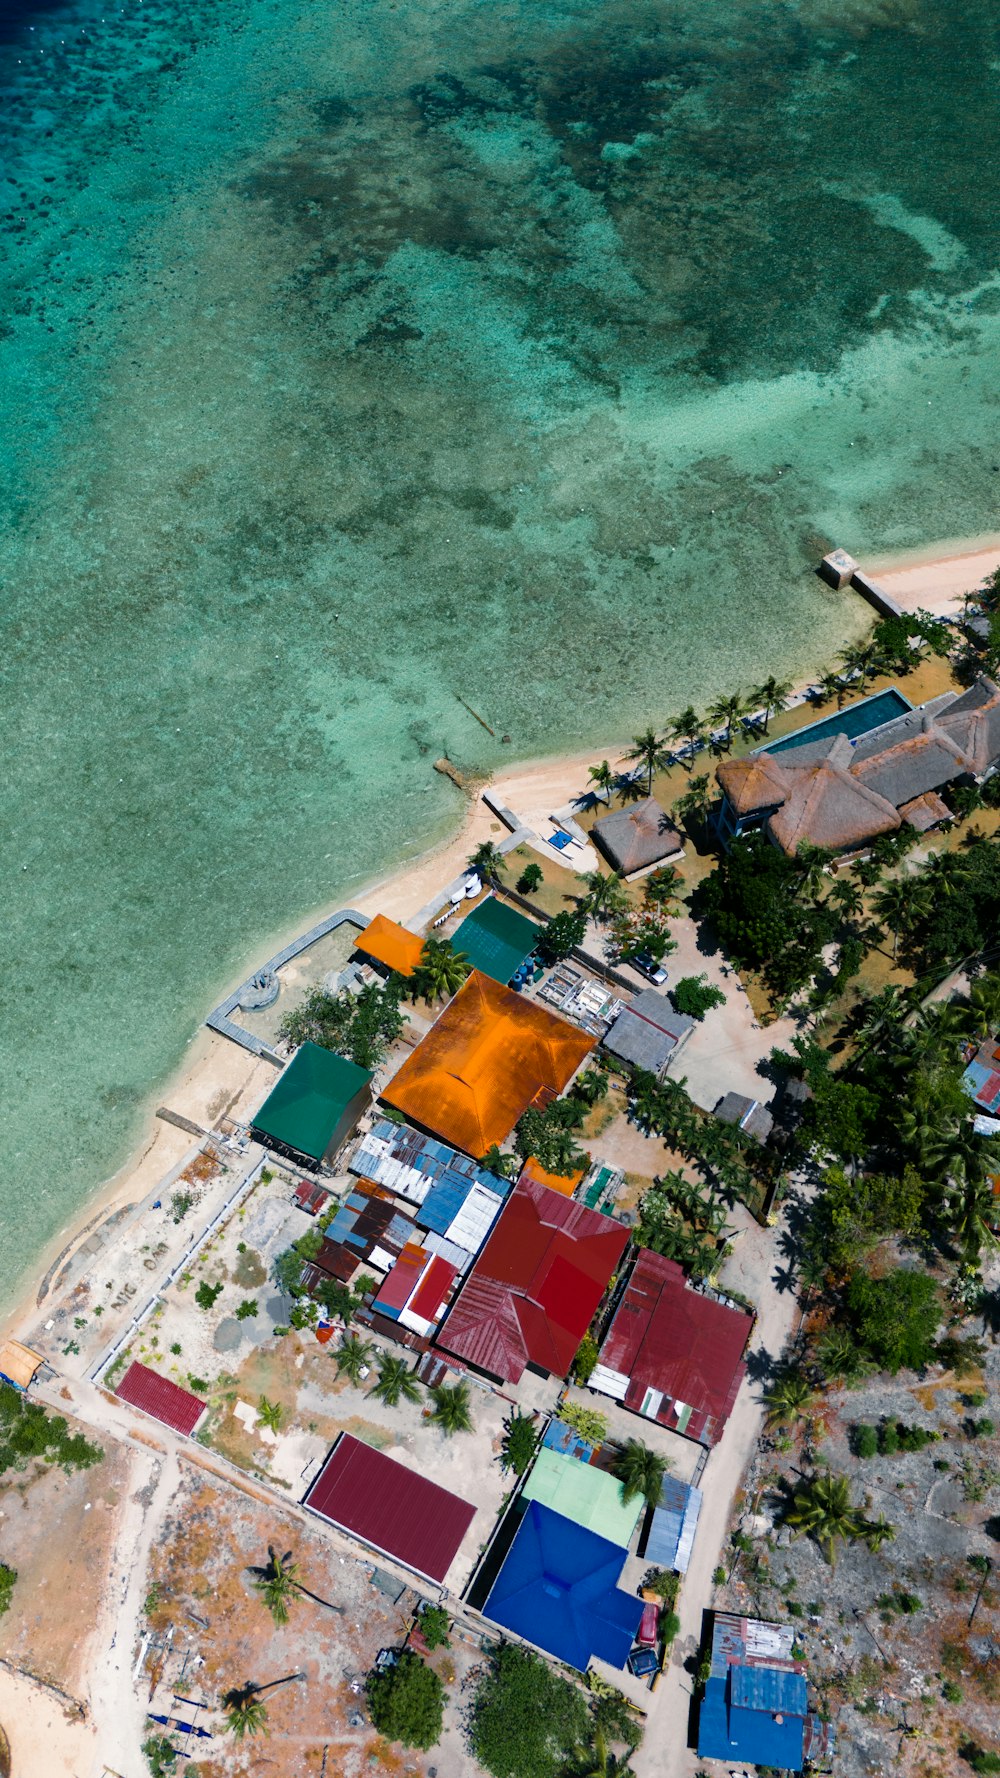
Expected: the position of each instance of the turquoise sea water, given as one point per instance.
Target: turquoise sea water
(357, 356)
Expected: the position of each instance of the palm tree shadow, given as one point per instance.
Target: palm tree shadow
(762, 1367)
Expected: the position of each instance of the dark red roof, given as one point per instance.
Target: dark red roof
(673, 1341)
(533, 1290)
(433, 1288)
(390, 1507)
(156, 1395)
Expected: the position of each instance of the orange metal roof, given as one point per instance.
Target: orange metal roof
(391, 944)
(489, 1056)
(557, 1182)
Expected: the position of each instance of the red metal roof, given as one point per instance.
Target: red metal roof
(667, 1337)
(398, 1287)
(533, 1290)
(390, 1507)
(156, 1395)
(433, 1288)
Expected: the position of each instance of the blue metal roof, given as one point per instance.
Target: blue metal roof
(558, 1589)
(451, 1175)
(768, 1735)
(678, 1511)
(562, 1438)
(769, 1688)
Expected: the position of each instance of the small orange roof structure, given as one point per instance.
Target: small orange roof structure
(391, 944)
(488, 1057)
(18, 1363)
(557, 1182)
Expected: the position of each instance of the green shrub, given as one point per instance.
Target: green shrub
(951, 1692)
(695, 996)
(406, 1702)
(519, 1442)
(888, 1439)
(198, 1384)
(434, 1623)
(207, 1295)
(669, 1626)
(8, 1576)
(531, 878)
(247, 1310)
(28, 1431)
(585, 1362)
(526, 1721)
(864, 1441)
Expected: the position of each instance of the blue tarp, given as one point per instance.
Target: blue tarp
(558, 1588)
(564, 1439)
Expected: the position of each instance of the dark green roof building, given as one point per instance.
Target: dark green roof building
(315, 1105)
(496, 939)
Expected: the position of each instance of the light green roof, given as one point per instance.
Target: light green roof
(310, 1099)
(588, 1496)
(496, 938)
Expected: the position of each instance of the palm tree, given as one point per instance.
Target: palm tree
(246, 1714)
(773, 695)
(878, 1531)
(831, 685)
(441, 970)
(984, 1005)
(451, 1408)
(639, 1470)
(878, 1021)
(270, 1413)
(789, 1399)
(395, 1381)
(689, 727)
(848, 898)
(728, 710)
(495, 1161)
(649, 751)
(606, 894)
(603, 779)
(900, 904)
(487, 860)
(860, 659)
(277, 1584)
(352, 1357)
(695, 803)
(811, 862)
(661, 888)
(837, 1355)
(821, 1508)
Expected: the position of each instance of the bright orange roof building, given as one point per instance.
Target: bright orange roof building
(557, 1182)
(488, 1057)
(391, 944)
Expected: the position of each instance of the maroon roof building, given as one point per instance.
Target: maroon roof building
(158, 1396)
(390, 1507)
(534, 1288)
(671, 1353)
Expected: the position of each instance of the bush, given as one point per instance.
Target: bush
(434, 1624)
(247, 1310)
(983, 1428)
(864, 1441)
(695, 996)
(180, 1204)
(161, 1755)
(207, 1295)
(519, 1442)
(561, 936)
(7, 1578)
(406, 1702)
(669, 1626)
(980, 1759)
(951, 1693)
(531, 878)
(198, 1384)
(526, 1721)
(888, 1439)
(27, 1431)
(585, 1362)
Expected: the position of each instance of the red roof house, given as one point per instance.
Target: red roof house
(533, 1290)
(390, 1507)
(671, 1353)
(158, 1396)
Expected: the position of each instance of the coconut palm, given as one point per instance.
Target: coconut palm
(728, 710)
(812, 862)
(837, 1355)
(821, 1508)
(900, 904)
(639, 1470)
(847, 897)
(441, 970)
(649, 751)
(495, 1161)
(862, 660)
(662, 888)
(270, 1413)
(984, 1005)
(451, 1408)
(603, 779)
(942, 875)
(395, 1381)
(695, 803)
(488, 860)
(789, 1399)
(773, 695)
(246, 1714)
(878, 1531)
(606, 894)
(277, 1584)
(352, 1357)
(877, 1022)
(689, 727)
(831, 685)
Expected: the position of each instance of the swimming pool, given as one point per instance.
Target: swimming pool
(857, 719)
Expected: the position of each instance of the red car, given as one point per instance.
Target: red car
(649, 1625)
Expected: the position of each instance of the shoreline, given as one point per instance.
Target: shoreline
(215, 1075)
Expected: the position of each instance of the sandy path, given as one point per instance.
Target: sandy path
(752, 1269)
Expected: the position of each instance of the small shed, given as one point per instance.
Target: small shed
(637, 839)
(675, 1521)
(390, 944)
(746, 1114)
(19, 1364)
(314, 1107)
(165, 1401)
(648, 1033)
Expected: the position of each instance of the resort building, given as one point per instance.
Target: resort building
(535, 1287)
(488, 1056)
(313, 1109)
(390, 1507)
(840, 783)
(385, 942)
(756, 1703)
(648, 1033)
(673, 1353)
(637, 839)
(558, 1588)
(496, 939)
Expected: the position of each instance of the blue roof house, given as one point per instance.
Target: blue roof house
(756, 1704)
(558, 1588)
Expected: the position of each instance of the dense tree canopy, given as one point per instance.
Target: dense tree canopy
(526, 1721)
(406, 1702)
(894, 1319)
(358, 1026)
(753, 901)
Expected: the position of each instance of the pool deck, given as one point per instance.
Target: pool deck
(845, 722)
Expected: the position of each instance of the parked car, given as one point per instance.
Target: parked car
(643, 1662)
(646, 965)
(649, 1625)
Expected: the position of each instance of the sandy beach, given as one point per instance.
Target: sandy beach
(217, 1078)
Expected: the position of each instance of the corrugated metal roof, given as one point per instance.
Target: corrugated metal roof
(390, 1507)
(391, 944)
(496, 938)
(533, 1290)
(675, 1520)
(401, 1282)
(678, 1348)
(161, 1398)
(558, 1589)
(588, 1496)
(769, 1688)
(311, 1097)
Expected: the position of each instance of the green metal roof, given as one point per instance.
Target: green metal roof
(310, 1099)
(588, 1496)
(496, 938)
